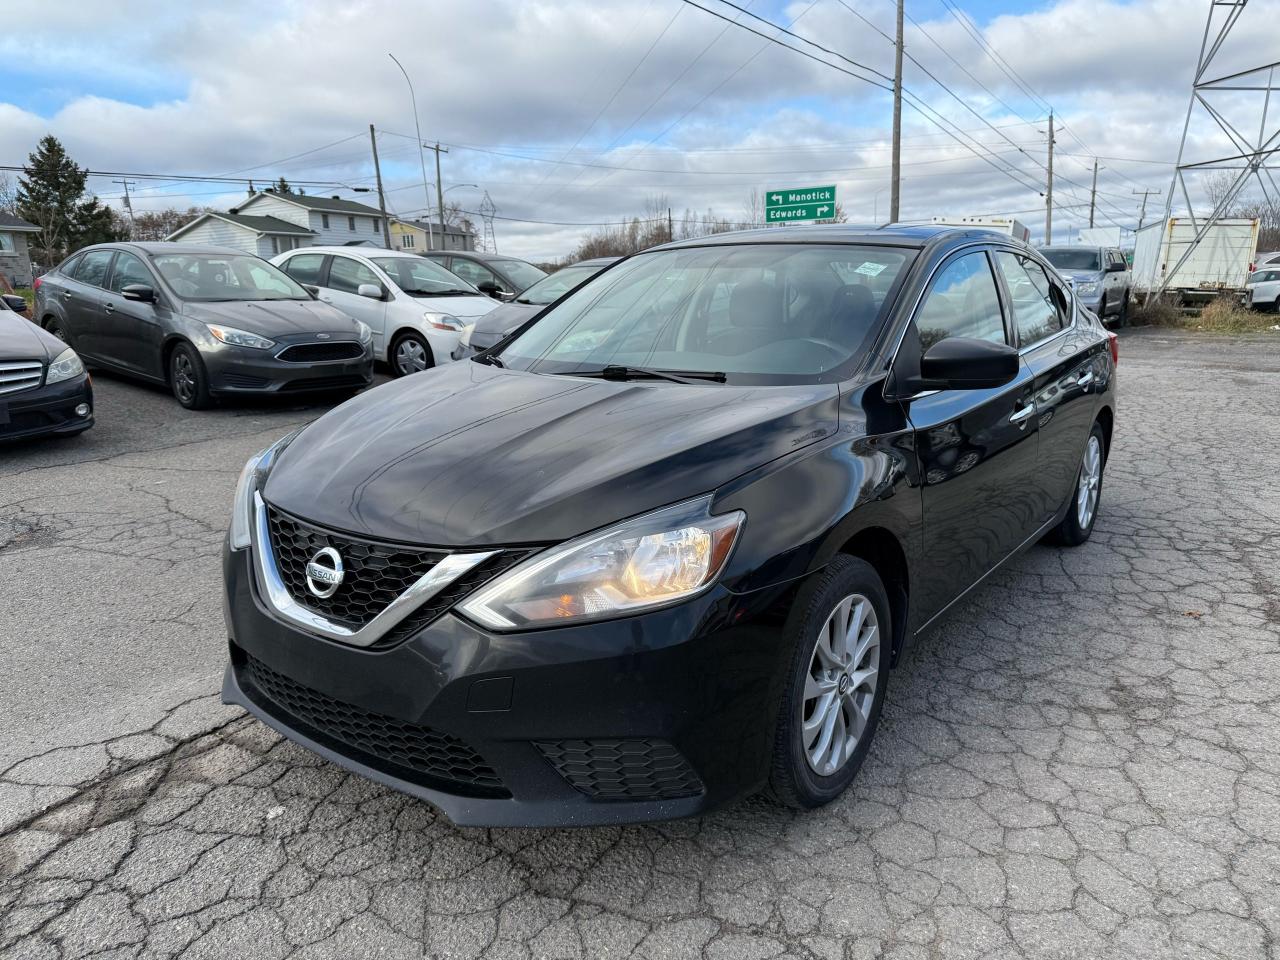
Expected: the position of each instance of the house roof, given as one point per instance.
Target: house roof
(325, 204)
(9, 222)
(272, 225)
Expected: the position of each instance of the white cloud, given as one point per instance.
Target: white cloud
(235, 86)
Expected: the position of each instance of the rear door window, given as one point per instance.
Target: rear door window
(1037, 310)
(305, 267)
(93, 268)
(962, 302)
(474, 273)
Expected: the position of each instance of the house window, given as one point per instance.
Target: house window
(374, 221)
(351, 223)
(406, 241)
(275, 246)
(324, 220)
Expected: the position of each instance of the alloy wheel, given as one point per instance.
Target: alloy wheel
(840, 688)
(1090, 483)
(184, 377)
(411, 356)
(55, 328)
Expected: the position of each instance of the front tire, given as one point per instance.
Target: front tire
(188, 379)
(1122, 318)
(841, 634)
(54, 326)
(410, 353)
(1082, 510)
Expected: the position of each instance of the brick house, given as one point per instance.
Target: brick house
(15, 252)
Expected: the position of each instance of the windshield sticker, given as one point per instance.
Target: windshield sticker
(871, 269)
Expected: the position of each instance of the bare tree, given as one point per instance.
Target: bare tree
(8, 194)
(753, 209)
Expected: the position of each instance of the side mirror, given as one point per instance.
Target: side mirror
(489, 288)
(312, 289)
(139, 292)
(1117, 267)
(370, 290)
(962, 363)
(16, 303)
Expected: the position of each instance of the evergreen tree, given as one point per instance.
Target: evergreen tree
(51, 194)
(282, 186)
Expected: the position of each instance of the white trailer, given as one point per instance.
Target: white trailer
(1220, 261)
(1006, 225)
(1098, 237)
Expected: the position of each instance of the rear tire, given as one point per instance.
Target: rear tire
(410, 353)
(841, 635)
(188, 379)
(1122, 318)
(1086, 495)
(54, 326)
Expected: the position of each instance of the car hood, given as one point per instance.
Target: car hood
(464, 308)
(1081, 274)
(471, 455)
(274, 318)
(501, 321)
(20, 339)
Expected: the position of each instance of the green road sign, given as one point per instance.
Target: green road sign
(803, 203)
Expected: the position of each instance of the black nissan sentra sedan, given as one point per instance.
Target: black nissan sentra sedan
(44, 390)
(660, 548)
(205, 321)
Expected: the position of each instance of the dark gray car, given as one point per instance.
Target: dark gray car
(205, 321)
(499, 277)
(496, 324)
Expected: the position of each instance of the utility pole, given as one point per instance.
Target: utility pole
(1142, 214)
(671, 234)
(382, 200)
(896, 162)
(439, 190)
(128, 204)
(1093, 191)
(1048, 194)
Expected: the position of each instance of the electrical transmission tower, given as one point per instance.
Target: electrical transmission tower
(1238, 104)
(487, 210)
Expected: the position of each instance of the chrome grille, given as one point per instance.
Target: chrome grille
(18, 375)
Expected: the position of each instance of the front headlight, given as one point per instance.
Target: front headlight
(251, 478)
(649, 561)
(239, 338)
(1087, 288)
(466, 334)
(442, 321)
(65, 366)
(365, 332)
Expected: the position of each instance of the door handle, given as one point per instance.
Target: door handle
(67, 295)
(1022, 413)
(1085, 379)
(109, 308)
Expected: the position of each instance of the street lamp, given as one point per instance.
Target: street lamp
(421, 159)
(875, 205)
(428, 213)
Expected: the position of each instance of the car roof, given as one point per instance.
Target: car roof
(358, 251)
(892, 234)
(475, 255)
(594, 262)
(151, 247)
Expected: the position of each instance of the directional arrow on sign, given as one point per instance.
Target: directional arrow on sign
(777, 198)
(823, 209)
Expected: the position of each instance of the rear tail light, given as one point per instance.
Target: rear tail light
(1115, 348)
(36, 284)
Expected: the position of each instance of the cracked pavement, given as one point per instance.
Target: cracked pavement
(1084, 761)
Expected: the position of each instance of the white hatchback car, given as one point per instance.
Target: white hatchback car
(416, 308)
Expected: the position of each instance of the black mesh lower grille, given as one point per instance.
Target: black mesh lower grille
(623, 769)
(350, 382)
(374, 573)
(413, 752)
(321, 352)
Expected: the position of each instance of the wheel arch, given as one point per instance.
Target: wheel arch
(882, 549)
(1106, 419)
(166, 352)
(400, 331)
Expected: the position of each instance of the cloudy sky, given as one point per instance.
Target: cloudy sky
(579, 112)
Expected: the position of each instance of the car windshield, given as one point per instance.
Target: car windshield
(557, 285)
(522, 274)
(210, 277)
(1072, 259)
(758, 313)
(420, 277)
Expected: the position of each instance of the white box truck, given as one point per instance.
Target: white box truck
(1006, 225)
(1220, 261)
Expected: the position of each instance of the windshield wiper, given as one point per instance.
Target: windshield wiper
(619, 372)
(488, 358)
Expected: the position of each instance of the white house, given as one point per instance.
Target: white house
(269, 223)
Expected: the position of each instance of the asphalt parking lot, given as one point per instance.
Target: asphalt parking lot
(1084, 761)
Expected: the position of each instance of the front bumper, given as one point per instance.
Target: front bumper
(243, 371)
(477, 343)
(46, 410)
(662, 715)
